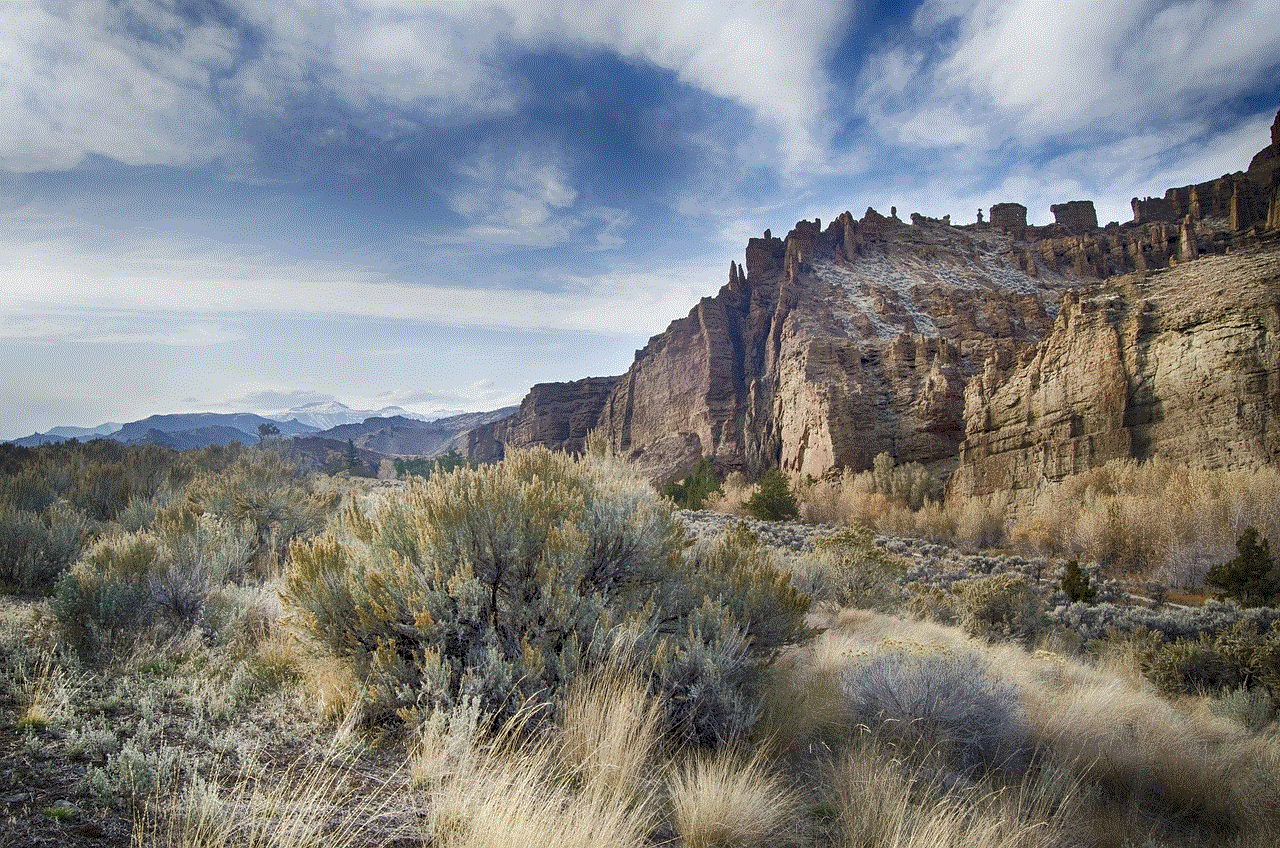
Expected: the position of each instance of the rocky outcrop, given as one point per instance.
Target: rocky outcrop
(831, 346)
(554, 415)
(1238, 202)
(1077, 216)
(1184, 364)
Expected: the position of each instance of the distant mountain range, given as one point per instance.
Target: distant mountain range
(323, 415)
(395, 433)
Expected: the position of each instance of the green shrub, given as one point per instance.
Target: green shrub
(1239, 656)
(692, 492)
(130, 584)
(36, 549)
(848, 569)
(105, 594)
(1247, 577)
(1077, 584)
(999, 607)
(773, 499)
(910, 484)
(506, 582)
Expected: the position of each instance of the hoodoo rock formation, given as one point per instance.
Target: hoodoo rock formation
(1015, 352)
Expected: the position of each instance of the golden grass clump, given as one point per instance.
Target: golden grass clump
(565, 789)
(728, 800)
(311, 805)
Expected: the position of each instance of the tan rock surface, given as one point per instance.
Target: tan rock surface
(1182, 363)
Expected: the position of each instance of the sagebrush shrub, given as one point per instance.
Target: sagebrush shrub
(1239, 656)
(935, 703)
(504, 583)
(999, 607)
(128, 584)
(36, 548)
(848, 569)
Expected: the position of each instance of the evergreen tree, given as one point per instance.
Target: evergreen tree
(1248, 576)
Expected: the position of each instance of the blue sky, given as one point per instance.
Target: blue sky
(235, 206)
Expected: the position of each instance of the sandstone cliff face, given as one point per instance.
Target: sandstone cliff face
(1183, 363)
(555, 415)
(832, 346)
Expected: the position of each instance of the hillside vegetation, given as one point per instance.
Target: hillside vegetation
(221, 648)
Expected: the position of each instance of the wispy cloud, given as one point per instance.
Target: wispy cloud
(175, 279)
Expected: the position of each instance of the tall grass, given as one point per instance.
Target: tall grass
(730, 801)
(1163, 521)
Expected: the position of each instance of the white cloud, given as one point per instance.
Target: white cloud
(170, 279)
(1018, 71)
(74, 82)
(766, 57)
(78, 80)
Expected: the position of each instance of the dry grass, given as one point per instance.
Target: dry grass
(499, 793)
(610, 737)
(727, 800)
(1114, 762)
(1156, 520)
(309, 806)
(880, 805)
(1165, 521)
(732, 496)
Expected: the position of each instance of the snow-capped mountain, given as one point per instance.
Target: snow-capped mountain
(331, 413)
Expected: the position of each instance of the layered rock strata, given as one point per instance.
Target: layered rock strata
(1183, 363)
(555, 415)
(832, 345)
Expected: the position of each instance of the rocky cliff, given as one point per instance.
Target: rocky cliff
(557, 415)
(1184, 363)
(829, 346)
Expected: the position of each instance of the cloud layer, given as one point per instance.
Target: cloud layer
(496, 179)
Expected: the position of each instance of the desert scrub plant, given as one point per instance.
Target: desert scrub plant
(129, 584)
(1239, 656)
(692, 491)
(773, 499)
(849, 569)
(938, 705)
(1077, 585)
(504, 583)
(1001, 606)
(36, 548)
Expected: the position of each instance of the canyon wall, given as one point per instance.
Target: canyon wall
(1014, 352)
(1184, 363)
(555, 415)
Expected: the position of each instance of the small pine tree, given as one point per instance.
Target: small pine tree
(1077, 584)
(1248, 576)
(692, 492)
(773, 500)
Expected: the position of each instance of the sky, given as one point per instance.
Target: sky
(245, 206)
